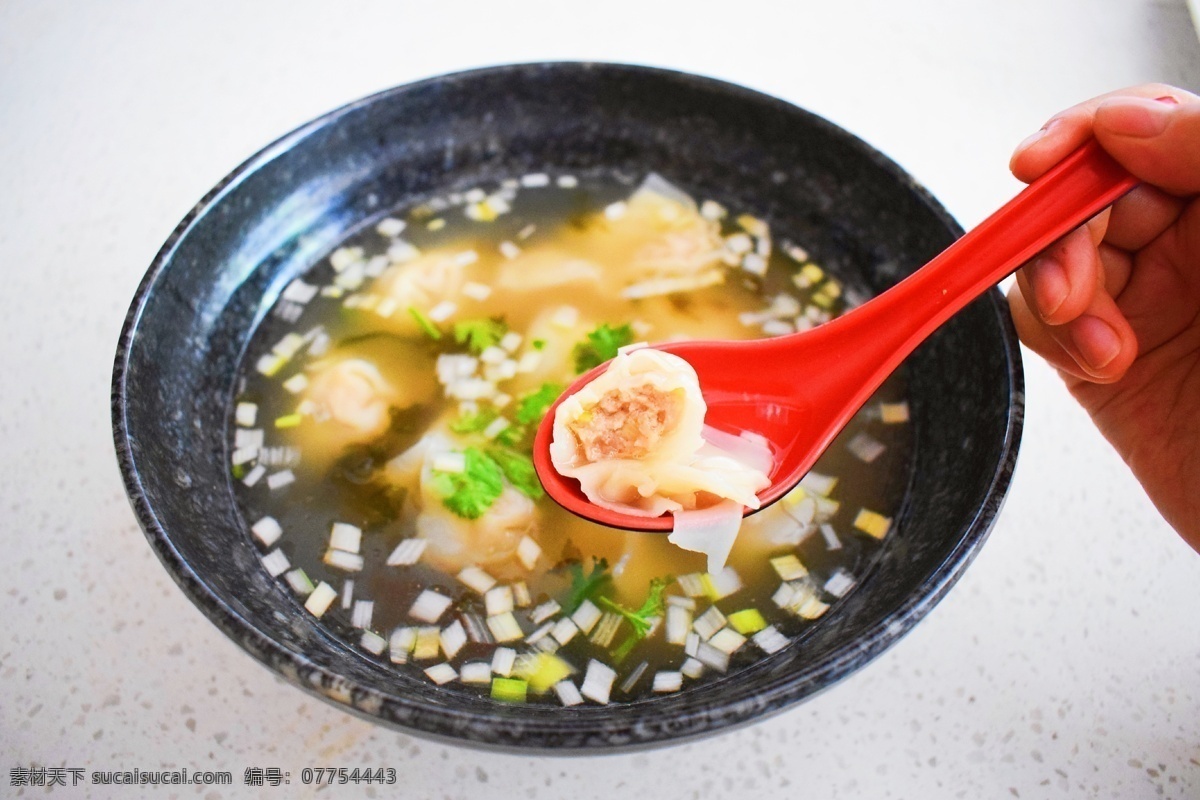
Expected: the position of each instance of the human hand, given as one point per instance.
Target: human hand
(1115, 305)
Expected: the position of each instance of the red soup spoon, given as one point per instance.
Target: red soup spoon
(749, 385)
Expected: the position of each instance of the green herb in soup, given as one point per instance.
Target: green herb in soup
(381, 443)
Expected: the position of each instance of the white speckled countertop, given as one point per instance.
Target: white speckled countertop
(1066, 662)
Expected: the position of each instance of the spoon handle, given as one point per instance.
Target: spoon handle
(1076, 189)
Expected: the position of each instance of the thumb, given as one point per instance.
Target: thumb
(1157, 140)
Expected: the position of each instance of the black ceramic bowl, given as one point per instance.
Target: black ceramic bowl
(275, 215)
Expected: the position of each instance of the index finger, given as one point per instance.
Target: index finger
(1070, 128)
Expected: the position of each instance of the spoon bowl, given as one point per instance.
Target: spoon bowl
(798, 391)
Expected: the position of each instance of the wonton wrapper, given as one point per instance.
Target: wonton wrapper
(677, 467)
(354, 395)
(454, 543)
(544, 268)
(422, 283)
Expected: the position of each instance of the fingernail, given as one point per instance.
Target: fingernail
(1036, 135)
(1135, 116)
(1050, 284)
(1030, 139)
(1096, 341)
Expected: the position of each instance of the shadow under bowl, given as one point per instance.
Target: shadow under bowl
(224, 266)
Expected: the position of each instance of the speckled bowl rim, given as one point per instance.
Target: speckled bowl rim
(741, 708)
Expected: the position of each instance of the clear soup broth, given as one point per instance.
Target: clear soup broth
(381, 434)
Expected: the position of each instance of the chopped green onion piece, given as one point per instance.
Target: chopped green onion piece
(425, 323)
(477, 579)
(504, 628)
(721, 584)
(428, 643)
(288, 421)
(270, 364)
(568, 693)
(891, 413)
(872, 523)
(789, 567)
(441, 673)
(727, 641)
(509, 690)
(401, 643)
(812, 608)
(822, 301)
(372, 642)
(245, 414)
(528, 551)
(692, 584)
(276, 562)
(503, 659)
(498, 600)
(300, 582)
(819, 484)
(753, 226)
(541, 671)
(320, 599)
(597, 681)
(709, 623)
(606, 629)
(747, 621)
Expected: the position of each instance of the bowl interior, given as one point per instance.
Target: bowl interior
(214, 280)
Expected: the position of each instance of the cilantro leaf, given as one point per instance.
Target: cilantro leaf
(515, 437)
(479, 334)
(600, 346)
(532, 407)
(585, 587)
(642, 619)
(471, 492)
(474, 423)
(519, 470)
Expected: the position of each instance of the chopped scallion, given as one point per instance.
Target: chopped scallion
(568, 693)
(598, 681)
(319, 601)
(452, 639)
(372, 642)
(267, 530)
(477, 579)
(344, 536)
(245, 414)
(441, 673)
(503, 659)
(747, 621)
(509, 690)
(429, 606)
(401, 643)
(276, 563)
(425, 323)
(872, 523)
